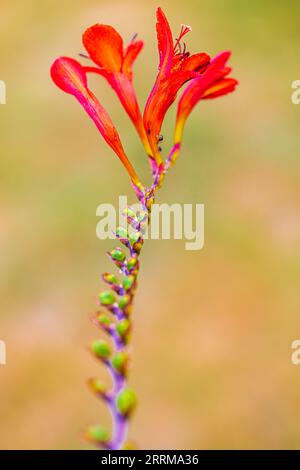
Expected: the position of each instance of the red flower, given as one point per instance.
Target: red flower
(207, 86)
(176, 67)
(70, 77)
(105, 47)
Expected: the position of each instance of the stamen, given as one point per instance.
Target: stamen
(160, 138)
(134, 37)
(183, 31)
(81, 54)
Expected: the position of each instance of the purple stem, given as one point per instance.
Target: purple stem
(119, 422)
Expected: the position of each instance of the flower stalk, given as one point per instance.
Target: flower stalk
(117, 324)
(206, 79)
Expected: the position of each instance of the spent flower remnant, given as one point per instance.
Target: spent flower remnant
(203, 79)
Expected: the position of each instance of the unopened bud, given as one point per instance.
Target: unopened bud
(97, 434)
(126, 401)
(104, 320)
(110, 278)
(118, 362)
(97, 386)
(128, 282)
(118, 255)
(101, 349)
(135, 237)
(121, 232)
(122, 327)
(129, 213)
(131, 263)
(123, 302)
(107, 298)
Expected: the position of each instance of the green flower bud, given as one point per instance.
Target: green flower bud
(131, 263)
(107, 298)
(110, 278)
(126, 401)
(118, 361)
(97, 434)
(124, 300)
(138, 246)
(122, 327)
(129, 212)
(128, 282)
(118, 255)
(103, 319)
(97, 386)
(101, 349)
(134, 237)
(121, 232)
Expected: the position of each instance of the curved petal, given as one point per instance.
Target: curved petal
(165, 41)
(223, 87)
(130, 54)
(207, 86)
(105, 46)
(123, 88)
(196, 62)
(161, 98)
(70, 77)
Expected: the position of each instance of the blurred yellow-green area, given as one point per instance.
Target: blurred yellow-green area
(211, 354)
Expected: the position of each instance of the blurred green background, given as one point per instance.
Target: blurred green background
(213, 328)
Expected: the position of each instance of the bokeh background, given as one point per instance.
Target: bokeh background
(213, 328)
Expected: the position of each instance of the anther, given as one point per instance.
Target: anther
(134, 37)
(83, 55)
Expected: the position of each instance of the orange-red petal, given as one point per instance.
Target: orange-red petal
(70, 77)
(165, 41)
(130, 54)
(104, 46)
(196, 62)
(207, 86)
(223, 87)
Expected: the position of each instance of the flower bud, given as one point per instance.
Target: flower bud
(122, 328)
(121, 232)
(129, 213)
(109, 278)
(123, 302)
(104, 320)
(126, 401)
(119, 361)
(131, 263)
(128, 282)
(97, 386)
(107, 298)
(101, 349)
(97, 434)
(118, 255)
(135, 237)
(138, 246)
